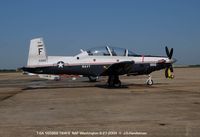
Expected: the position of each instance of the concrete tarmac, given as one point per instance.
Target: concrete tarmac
(30, 106)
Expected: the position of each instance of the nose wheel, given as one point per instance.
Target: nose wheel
(149, 80)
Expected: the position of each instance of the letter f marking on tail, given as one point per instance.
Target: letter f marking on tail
(40, 50)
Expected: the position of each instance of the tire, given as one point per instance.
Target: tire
(113, 81)
(92, 78)
(117, 85)
(149, 82)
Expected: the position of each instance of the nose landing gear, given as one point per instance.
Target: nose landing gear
(149, 80)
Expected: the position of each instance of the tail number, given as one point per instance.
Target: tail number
(42, 60)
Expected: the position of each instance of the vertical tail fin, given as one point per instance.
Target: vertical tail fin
(37, 52)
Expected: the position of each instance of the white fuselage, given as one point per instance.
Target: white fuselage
(85, 59)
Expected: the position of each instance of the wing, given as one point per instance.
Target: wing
(120, 68)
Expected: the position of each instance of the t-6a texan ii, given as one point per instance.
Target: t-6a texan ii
(102, 61)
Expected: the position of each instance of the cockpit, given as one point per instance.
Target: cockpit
(110, 51)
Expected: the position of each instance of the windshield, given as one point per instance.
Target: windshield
(118, 51)
(99, 51)
(110, 51)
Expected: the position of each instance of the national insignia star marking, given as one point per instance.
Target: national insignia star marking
(60, 64)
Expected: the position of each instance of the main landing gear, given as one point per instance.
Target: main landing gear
(113, 81)
(149, 80)
(93, 78)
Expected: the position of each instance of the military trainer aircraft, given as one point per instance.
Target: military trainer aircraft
(102, 61)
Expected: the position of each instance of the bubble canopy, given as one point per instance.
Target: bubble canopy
(110, 51)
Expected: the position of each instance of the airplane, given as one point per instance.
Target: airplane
(95, 62)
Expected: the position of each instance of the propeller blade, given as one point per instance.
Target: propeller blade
(166, 73)
(169, 72)
(171, 53)
(167, 51)
(171, 68)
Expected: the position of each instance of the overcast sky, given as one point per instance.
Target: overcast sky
(144, 26)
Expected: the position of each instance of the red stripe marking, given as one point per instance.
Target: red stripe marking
(142, 58)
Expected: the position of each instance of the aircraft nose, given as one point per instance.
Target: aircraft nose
(173, 60)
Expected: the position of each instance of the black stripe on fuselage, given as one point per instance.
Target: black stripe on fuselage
(92, 70)
(88, 70)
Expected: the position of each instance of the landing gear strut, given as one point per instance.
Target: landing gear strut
(113, 81)
(149, 80)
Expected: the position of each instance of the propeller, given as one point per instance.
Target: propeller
(169, 69)
(169, 53)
